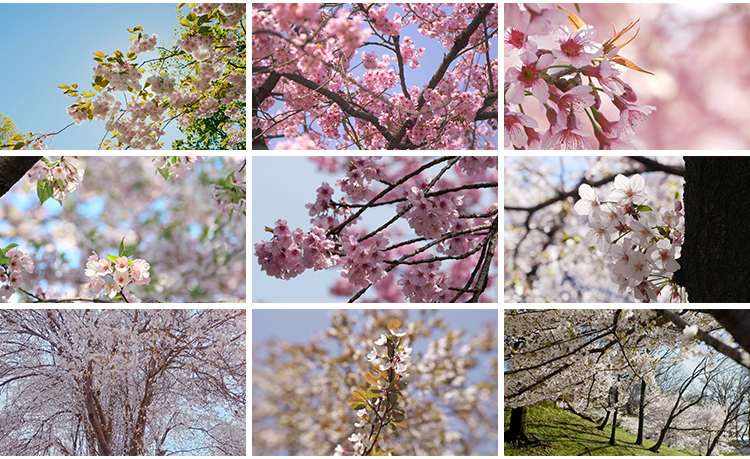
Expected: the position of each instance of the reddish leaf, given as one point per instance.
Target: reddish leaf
(625, 62)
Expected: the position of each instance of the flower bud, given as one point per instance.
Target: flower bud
(591, 71)
(629, 93)
(603, 122)
(551, 116)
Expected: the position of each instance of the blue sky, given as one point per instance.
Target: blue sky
(51, 44)
(433, 56)
(281, 186)
(300, 325)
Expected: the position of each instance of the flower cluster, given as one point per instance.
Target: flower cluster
(563, 95)
(289, 253)
(12, 263)
(377, 400)
(55, 178)
(641, 256)
(143, 44)
(198, 46)
(431, 217)
(362, 171)
(175, 167)
(162, 84)
(362, 265)
(422, 283)
(322, 202)
(122, 270)
(121, 76)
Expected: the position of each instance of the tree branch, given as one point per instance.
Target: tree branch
(345, 106)
(13, 168)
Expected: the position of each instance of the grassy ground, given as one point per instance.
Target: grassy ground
(569, 435)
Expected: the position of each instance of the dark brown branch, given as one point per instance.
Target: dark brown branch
(652, 165)
(13, 168)
(340, 101)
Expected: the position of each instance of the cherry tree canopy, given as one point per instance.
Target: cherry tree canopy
(122, 382)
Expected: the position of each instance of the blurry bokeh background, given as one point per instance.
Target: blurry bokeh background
(699, 53)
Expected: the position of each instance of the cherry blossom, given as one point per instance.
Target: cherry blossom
(643, 253)
(571, 102)
(438, 216)
(528, 77)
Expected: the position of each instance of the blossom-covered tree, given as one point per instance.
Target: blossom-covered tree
(122, 382)
(136, 229)
(448, 203)
(305, 55)
(577, 356)
(341, 392)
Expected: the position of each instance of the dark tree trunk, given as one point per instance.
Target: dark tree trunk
(641, 405)
(716, 254)
(604, 423)
(656, 447)
(13, 168)
(614, 427)
(517, 429)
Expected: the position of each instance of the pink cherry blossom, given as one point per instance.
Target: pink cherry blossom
(528, 77)
(577, 47)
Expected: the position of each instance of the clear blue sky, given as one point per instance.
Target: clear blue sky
(281, 186)
(433, 56)
(51, 44)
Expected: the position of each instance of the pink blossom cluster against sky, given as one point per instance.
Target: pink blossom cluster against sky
(422, 56)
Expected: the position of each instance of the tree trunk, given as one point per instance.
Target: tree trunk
(604, 423)
(614, 427)
(13, 168)
(517, 429)
(656, 447)
(716, 256)
(641, 406)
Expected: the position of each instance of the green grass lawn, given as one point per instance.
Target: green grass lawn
(570, 435)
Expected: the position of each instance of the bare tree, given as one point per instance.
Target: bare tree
(122, 382)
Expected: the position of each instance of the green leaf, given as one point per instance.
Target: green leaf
(10, 246)
(128, 252)
(112, 258)
(185, 23)
(358, 405)
(43, 190)
(644, 208)
(99, 54)
(122, 246)
(398, 417)
(373, 392)
(18, 146)
(191, 17)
